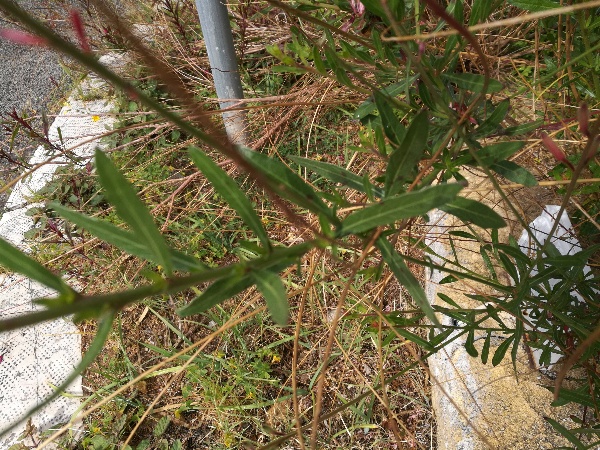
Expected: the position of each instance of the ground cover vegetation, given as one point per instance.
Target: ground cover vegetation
(226, 288)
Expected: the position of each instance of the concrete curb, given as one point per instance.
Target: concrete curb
(36, 359)
(478, 406)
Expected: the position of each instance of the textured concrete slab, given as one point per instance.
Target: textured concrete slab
(478, 406)
(36, 359)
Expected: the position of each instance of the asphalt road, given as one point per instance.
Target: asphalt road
(30, 78)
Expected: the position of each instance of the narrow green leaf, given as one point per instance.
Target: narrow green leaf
(517, 338)
(473, 211)
(580, 396)
(426, 96)
(336, 174)
(374, 7)
(215, 294)
(483, 250)
(492, 154)
(524, 128)
(534, 5)
(501, 351)
(470, 344)
(14, 259)
(397, 8)
(130, 208)
(414, 338)
(509, 266)
(439, 338)
(463, 234)
(485, 351)
(288, 184)
(513, 172)
(448, 300)
(404, 158)
(271, 287)
(566, 434)
(492, 123)
(406, 278)
(288, 69)
(404, 206)
(480, 11)
(225, 288)
(319, 65)
(369, 107)
(231, 192)
(380, 140)
(472, 82)
(357, 53)
(125, 240)
(375, 36)
(391, 125)
(365, 109)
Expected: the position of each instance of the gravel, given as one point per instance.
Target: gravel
(30, 77)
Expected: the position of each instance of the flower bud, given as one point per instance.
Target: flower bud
(583, 116)
(79, 29)
(20, 37)
(555, 150)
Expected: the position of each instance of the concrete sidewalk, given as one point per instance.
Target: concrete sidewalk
(36, 359)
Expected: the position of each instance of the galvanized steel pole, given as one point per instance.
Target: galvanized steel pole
(214, 21)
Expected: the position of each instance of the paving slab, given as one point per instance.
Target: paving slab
(36, 359)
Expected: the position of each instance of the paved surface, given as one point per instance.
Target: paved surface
(36, 358)
(30, 77)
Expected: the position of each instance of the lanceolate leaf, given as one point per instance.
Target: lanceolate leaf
(415, 338)
(523, 129)
(125, 240)
(567, 434)
(513, 172)
(130, 208)
(501, 351)
(580, 395)
(271, 287)
(231, 192)
(226, 288)
(408, 154)
(411, 204)
(336, 174)
(288, 184)
(473, 82)
(495, 153)
(486, 348)
(14, 259)
(470, 344)
(368, 106)
(406, 278)
(534, 5)
(391, 125)
(215, 294)
(475, 212)
(480, 10)
(493, 121)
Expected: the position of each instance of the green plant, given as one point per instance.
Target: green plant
(425, 120)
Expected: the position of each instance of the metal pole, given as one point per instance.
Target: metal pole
(214, 21)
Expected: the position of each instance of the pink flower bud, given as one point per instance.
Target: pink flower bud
(20, 37)
(79, 29)
(555, 150)
(583, 116)
(358, 9)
